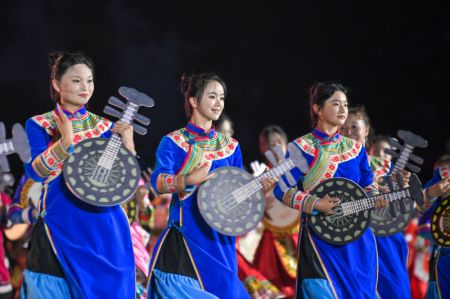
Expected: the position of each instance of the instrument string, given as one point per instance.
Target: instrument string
(109, 155)
(239, 195)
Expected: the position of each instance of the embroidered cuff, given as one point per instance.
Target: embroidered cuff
(49, 160)
(288, 197)
(371, 190)
(308, 204)
(169, 183)
(300, 200)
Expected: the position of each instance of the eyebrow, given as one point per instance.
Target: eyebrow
(76, 76)
(337, 100)
(209, 92)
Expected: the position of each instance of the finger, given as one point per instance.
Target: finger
(62, 115)
(209, 176)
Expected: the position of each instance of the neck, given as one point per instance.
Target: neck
(70, 107)
(327, 128)
(201, 122)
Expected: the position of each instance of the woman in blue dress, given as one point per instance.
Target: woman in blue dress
(392, 250)
(76, 250)
(326, 270)
(435, 191)
(190, 259)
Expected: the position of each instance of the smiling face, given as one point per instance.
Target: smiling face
(355, 128)
(75, 86)
(211, 104)
(334, 111)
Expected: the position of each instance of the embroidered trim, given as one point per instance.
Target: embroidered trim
(218, 147)
(50, 159)
(327, 156)
(89, 126)
(288, 255)
(288, 198)
(255, 286)
(169, 183)
(199, 150)
(308, 203)
(380, 167)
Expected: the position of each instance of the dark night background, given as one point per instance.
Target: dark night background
(395, 57)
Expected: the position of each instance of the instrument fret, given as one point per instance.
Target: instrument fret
(255, 185)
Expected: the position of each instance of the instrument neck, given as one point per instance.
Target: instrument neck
(367, 203)
(255, 185)
(400, 164)
(115, 142)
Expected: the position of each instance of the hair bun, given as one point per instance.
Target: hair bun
(54, 57)
(184, 83)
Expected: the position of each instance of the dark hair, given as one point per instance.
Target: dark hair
(271, 129)
(264, 137)
(319, 93)
(194, 85)
(60, 62)
(360, 112)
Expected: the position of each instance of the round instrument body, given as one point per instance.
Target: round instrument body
(440, 223)
(383, 224)
(345, 229)
(118, 186)
(219, 207)
(279, 218)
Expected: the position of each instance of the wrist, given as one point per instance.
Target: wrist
(66, 142)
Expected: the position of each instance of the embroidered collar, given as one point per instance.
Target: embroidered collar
(79, 113)
(196, 131)
(325, 138)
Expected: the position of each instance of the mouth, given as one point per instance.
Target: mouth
(216, 111)
(84, 95)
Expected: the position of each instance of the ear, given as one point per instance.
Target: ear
(193, 102)
(366, 132)
(55, 85)
(316, 109)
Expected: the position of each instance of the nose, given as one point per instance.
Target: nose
(84, 85)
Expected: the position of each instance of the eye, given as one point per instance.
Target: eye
(90, 81)
(76, 81)
(222, 99)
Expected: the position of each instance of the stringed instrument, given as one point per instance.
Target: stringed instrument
(440, 219)
(101, 171)
(395, 218)
(232, 201)
(353, 213)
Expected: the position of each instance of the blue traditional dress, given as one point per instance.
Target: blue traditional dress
(190, 259)
(77, 250)
(392, 250)
(326, 270)
(439, 282)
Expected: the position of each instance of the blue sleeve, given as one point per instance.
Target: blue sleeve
(366, 173)
(165, 160)
(39, 141)
(237, 158)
